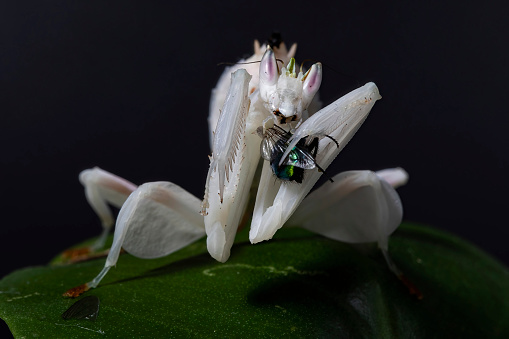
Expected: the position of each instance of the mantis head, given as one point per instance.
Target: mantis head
(285, 93)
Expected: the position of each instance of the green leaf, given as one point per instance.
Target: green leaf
(296, 285)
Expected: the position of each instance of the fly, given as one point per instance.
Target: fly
(300, 158)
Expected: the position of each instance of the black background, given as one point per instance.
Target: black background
(125, 86)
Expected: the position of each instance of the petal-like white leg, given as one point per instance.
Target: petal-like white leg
(225, 200)
(358, 207)
(267, 213)
(340, 120)
(396, 177)
(230, 131)
(157, 219)
(103, 188)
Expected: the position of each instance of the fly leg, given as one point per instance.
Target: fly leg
(313, 147)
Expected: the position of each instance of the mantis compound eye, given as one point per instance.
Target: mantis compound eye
(312, 81)
(269, 72)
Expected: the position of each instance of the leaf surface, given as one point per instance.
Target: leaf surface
(296, 285)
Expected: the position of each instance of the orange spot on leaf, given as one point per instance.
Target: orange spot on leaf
(74, 253)
(411, 287)
(76, 291)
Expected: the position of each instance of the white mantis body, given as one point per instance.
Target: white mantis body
(159, 218)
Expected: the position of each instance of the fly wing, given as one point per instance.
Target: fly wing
(273, 141)
(267, 146)
(276, 141)
(299, 157)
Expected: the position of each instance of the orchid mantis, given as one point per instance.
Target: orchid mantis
(159, 218)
